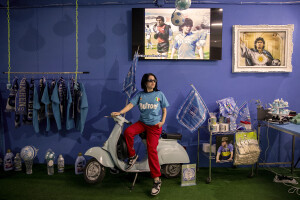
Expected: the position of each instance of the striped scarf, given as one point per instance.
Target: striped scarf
(22, 98)
(30, 102)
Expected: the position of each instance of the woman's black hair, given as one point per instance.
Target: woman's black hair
(145, 80)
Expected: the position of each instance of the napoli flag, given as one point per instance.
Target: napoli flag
(192, 113)
(129, 87)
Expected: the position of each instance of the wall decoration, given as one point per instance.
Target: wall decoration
(262, 48)
(192, 34)
(225, 148)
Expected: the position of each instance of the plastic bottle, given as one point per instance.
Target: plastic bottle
(18, 163)
(79, 164)
(8, 161)
(50, 167)
(60, 164)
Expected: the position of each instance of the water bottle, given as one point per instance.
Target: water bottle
(8, 161)
(18, 163)
(50, 167)
(79, 164)
(60, 164)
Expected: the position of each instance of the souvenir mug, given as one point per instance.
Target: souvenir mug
(212, 120)
(221, 119)
(214, 128)
(223, 127)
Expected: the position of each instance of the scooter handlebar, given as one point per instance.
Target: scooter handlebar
(125, 120)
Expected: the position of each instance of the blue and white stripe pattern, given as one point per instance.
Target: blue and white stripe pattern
(129, 87)
(192, 113)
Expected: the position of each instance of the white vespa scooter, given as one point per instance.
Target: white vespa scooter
(114, 151)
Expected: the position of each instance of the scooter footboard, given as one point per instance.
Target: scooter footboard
(101, 155)
(169, 151)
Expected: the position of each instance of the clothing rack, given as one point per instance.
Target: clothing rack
(46, 72)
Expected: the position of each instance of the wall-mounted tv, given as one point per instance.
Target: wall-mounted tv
(199, 37)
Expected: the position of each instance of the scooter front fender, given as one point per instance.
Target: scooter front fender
(101, 155)
(169, 151)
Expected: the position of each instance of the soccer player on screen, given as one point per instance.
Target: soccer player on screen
(187, 42)
(148, 36)
(161, 31)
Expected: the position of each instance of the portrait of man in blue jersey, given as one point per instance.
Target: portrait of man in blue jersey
(258, 56)
(189, 44)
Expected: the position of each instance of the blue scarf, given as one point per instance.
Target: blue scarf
(51, 88)
(62, 93)
(41, 113)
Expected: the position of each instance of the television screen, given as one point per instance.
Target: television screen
(192, 34)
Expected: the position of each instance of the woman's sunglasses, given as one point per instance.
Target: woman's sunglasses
(151, 81)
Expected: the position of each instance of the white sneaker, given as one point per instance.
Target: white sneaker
(131, 162)
(156, 187)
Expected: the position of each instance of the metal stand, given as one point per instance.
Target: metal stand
(45, 72)
(297, 162)
(293, 155)
(208, 180)
(211, 157)
(198, 150)
(277, 163)
(256, 164)
(135, 177)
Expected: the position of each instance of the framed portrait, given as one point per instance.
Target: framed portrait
(262, 48)
(225, 148)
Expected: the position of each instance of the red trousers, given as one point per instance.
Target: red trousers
(153, 133)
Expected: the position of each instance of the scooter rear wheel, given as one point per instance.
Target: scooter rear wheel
(94, 172)
(171, 170)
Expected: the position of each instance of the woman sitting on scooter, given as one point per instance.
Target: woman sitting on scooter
(150, 102)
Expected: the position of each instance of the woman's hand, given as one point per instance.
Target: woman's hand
(113, 114)
(160, 124)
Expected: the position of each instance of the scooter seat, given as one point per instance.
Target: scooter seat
(175, 136)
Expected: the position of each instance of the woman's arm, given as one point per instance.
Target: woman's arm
(163, 119)
(123, 111)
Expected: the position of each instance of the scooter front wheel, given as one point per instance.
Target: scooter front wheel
(171, 170)
(94, 172)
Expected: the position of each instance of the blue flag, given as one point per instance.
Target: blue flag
(244, 112)
(229, 109)
(129, 87)
(243, 115)
(192, 113)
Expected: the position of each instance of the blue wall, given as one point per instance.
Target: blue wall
(43, 39)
